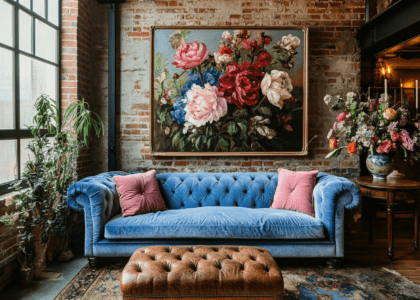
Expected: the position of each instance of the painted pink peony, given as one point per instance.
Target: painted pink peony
(190, 55)
(205, 105)
(341, 117)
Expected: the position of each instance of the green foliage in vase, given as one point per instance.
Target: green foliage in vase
(41, 208)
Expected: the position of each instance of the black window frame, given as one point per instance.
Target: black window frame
(17, 134)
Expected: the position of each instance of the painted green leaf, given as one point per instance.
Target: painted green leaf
(224, 144)
(183, 144)
(240, 113)
(176, 139)
(200, 142)
(244, 130)
(265, 110)
(353, 105)
(232, 128)
(211, 143)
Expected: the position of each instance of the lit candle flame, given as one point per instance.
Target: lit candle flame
(389, 70)
(383, 71)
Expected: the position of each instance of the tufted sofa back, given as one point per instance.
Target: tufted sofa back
(188, 190)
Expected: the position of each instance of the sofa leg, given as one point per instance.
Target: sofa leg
(334, 263)
(94, 262)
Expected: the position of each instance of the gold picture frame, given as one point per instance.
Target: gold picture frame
(166, 136)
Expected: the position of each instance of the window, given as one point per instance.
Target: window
(29, 67)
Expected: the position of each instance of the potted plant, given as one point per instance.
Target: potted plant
(375, 127)
(41, 207)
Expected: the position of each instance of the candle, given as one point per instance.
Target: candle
(417, 95)
(368, 92)
(386, 90)
(402, 101)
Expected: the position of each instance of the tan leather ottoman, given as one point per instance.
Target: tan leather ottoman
(201, 272)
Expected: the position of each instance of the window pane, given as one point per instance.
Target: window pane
(25, 32)
(53, 11)
(25, 154)
(6, 23)
(39, 7)
(8, 161)
(7, 107)
(36, 78)
(46, 41)
(26, 3)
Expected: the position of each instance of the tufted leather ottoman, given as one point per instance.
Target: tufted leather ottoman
(201, 272)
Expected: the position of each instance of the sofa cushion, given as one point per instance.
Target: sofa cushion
(217, 222)
(139, 193)
(189, 190)
(294, 191)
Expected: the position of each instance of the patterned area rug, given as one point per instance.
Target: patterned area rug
(321, 283)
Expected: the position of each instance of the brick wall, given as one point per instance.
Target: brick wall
(334, 68)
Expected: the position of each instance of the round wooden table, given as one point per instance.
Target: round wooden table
(392, 191)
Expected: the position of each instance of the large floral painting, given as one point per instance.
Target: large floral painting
(230, 91)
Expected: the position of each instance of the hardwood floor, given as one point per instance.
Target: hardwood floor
(405, 262)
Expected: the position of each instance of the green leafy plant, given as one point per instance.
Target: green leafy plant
(41, 210)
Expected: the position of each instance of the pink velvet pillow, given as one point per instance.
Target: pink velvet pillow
(139, 193)
(294, 191)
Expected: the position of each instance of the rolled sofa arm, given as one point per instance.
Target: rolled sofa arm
(331, 195)
(97, 197)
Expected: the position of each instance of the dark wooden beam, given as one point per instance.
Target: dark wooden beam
(399, 23)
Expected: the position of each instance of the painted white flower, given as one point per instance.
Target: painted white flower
(277, 87)
(176, 39)
(223, 58)
(187, 126)
(227, 36)
(289, 42)
(258, 126)
(167, 130)
(327, 99)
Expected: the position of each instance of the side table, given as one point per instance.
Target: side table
(392, 191)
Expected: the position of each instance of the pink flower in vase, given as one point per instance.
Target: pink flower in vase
(395, 136)
(385, 146)
(341, 117)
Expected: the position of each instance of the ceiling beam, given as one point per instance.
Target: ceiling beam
(398, 24)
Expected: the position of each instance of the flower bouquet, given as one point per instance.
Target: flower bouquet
(236, 99)
(375, 127)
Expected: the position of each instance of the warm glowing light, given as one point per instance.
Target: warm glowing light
(383, 71)
(389, 70)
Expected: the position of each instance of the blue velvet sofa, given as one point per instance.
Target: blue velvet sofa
(215, 209)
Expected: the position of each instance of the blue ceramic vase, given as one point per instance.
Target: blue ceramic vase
(380, 165)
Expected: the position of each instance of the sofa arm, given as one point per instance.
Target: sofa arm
(331, 195)
(97, 197)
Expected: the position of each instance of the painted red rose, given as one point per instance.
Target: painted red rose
(264, 60)
(249, 45)
(225, 50)
(241, 84)
(376, 138)
(267, 40)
